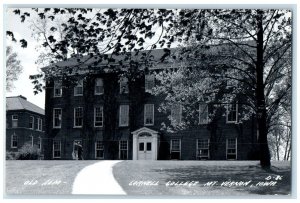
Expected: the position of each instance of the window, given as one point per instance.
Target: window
(31, 122)
(149, 114)
(56, 148)
(78, 89)
(98, 116)
(175, 149)
(231, 145)
(57, 89)
(149, 82)
(141, 146)
(124, 115)
(203, 114)
(14, 141)
(124, 85)
(99, 86)
(78, 117)
(39, 143)
(232, 113)
(203, 149)
(99, 150)
(40, 124)
(176, 112)
(123, 149)
(15, 121)
(57, 114)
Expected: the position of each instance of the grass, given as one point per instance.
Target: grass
(42, 177)
(204, 172)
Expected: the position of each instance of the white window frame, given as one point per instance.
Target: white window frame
(39, 143)
(40, 124)
(180, 114)
(96, 126)
(32, 123)
(171, 147)
(149, 82)
(54, 126)
(145, 119)
(123, 149)
(124, 80)
(79, 85)
(197, 148)
(12, 141)
(78, 126)
(57, 85)
(228, 110)
(120, 115)
(16, 120)
(227, 140)
(100, 80)
(200, 113)
(102, 148)
(53, 149)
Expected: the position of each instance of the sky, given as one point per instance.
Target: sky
(28, 56)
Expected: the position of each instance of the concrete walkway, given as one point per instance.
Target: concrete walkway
(97, 179)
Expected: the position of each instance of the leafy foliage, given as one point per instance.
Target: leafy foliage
(13, 68)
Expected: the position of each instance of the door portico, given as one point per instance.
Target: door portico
(145, 144)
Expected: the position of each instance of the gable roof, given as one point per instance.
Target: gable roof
(21, 103)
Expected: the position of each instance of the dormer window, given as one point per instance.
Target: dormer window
(78, 89)
(124, 85)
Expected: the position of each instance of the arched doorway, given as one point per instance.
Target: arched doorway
(145, 144)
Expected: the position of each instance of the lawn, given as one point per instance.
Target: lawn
(203, 178)
(42, 177)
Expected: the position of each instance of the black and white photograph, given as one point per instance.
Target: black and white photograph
(141, 101)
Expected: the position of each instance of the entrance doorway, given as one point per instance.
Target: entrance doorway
(145, 148)
(77, 150)
(145, 144)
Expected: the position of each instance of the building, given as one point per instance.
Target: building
(104, 117)
(24, 123)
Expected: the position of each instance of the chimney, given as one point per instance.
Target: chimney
(23, 97)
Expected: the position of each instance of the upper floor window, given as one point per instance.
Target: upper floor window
(203, 113)
(232, 113)
(149, 114)
(57, 89)
(15, 119)
(176, 114)
(99, 86)
(124, 85)
(40, 124)
(124, 115)
(31, 122)
(78, 89)
(98, 116)
(149, 82)
(14, 141)
(57, 114)
(78, 117)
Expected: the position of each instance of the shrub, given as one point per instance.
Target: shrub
(11, 155)
(29, 152)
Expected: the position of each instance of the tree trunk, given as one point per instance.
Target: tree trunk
(260, 97)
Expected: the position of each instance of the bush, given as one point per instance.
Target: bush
(11, 155)
(28, 152)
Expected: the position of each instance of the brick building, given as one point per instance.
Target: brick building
(24, 123)
(104, 116)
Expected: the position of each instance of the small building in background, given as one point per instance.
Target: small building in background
(24, 123)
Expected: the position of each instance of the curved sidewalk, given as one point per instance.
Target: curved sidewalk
(97, 179)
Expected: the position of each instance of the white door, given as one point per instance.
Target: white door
(145, 149)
